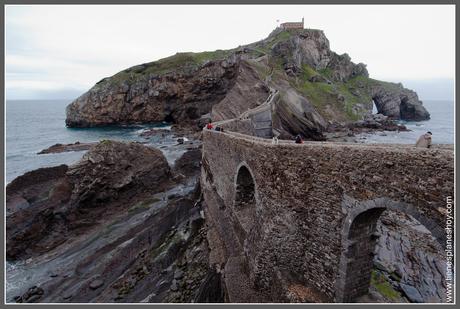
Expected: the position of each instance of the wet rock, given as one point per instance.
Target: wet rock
(410, 255)
(173, 196)
(64, 200)
(33, 298)
(58, 148)
(189, 163)
(32, 295)
(411, 293)
(178, 274)
(380, 266)
(155, 132)
(377, 122)
(95, 284)
(174, 286)
(120, 170)
(18, 299)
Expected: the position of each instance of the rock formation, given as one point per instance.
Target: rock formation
(118, 226)
(58, 148)
(397, 102)
(176, 90)
(187, 87)
(48, 205)
(115, 170)
(410, 258)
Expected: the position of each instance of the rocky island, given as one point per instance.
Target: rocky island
(236, 218)
(318, 89)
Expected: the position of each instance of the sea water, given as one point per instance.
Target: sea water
(32, 126)
(441, 124)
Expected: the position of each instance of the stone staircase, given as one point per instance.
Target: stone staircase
(261, 116)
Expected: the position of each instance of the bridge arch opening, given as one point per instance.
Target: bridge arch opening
(245, 198)
(394, 248)
(360, 253)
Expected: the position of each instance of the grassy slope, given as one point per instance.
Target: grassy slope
(179, 61)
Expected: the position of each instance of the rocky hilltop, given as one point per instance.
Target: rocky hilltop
(318, 88)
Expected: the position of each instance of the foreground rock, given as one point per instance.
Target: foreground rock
(146, 247)
(114, 170)
(47, 206)
(410, 259)
(58, 148)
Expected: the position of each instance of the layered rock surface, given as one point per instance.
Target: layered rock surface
(48, 205)
(179, 92)
(118, 226)
(411, 258)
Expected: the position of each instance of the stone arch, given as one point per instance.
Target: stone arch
(359, 239)
(378, 107)
(245, 196)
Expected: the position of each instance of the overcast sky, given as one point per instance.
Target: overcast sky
(61, 51)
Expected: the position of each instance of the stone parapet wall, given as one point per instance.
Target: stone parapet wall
(307, 197)
(243, 126)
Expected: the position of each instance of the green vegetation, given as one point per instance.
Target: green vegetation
(307, 72)
(351, 99)
(266, 45)
(166, 65)
(280, 36)
(383, 286)
(326, 72)
(343, 96)
(386, 85)
(319, 94)
(257, 52)
(105, 142)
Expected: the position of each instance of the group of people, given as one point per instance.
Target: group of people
(210, 126)
(424, 141)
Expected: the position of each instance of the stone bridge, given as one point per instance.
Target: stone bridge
(302, 216)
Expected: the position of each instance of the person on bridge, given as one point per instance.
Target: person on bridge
(424, 141)
(209, 126)
(298, 139)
